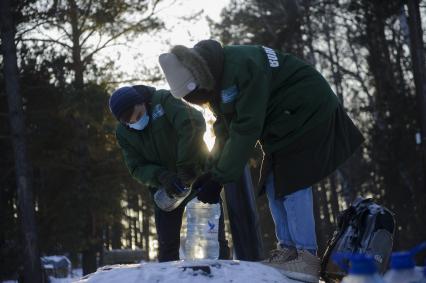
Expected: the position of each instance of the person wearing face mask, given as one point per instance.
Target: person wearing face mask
(262, 95)
(161, 139)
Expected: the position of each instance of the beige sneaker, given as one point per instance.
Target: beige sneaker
(305, 267)
(281, 255)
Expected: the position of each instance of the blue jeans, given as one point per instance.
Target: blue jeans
(293, 217)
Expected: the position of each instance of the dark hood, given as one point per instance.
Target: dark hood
(212, 52)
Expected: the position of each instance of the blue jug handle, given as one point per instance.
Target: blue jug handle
(420, 247)
(339, 259)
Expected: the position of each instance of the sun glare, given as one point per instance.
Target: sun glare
(209, 137)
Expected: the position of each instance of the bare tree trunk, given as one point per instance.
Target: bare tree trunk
(419, 71)
(333, 53)
(32, 265)
(89, 254)
(76, 46)
(322, 216)
(388, 104)
(116, 234)
(419, 68)
(310, 56)
(334, 198)
(107, 237)
(145, 231)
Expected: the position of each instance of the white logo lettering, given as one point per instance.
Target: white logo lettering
(274, 64)
(272, 57)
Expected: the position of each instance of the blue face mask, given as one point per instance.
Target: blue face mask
(141, 124)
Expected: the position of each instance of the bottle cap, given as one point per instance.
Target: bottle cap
(402, 260)
(362, 264)
(405, 259)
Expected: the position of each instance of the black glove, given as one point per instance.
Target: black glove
(200, 181)
(171, 183)
(186, 174)
(208, 188)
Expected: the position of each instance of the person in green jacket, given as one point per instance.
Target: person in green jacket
(161, 138)
(262, 95)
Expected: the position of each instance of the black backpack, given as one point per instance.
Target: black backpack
(366, 228)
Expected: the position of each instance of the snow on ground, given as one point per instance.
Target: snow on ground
(186, 271)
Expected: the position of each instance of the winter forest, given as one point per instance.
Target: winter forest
(64, 188)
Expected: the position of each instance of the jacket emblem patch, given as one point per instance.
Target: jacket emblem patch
(229, 94)
(272, 57)
(157, 111)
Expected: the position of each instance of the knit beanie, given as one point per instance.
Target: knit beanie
(123, 99)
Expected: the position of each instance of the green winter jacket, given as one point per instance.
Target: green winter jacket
(267, 96)
(172, 140)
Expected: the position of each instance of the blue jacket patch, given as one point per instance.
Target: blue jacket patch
(157, 111)
(229, 94)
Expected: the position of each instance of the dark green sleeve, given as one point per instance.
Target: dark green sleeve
(220, 130)
(190, 127)
(139, 169)
(247, 124)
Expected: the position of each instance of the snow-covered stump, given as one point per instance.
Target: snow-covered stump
(188, 271)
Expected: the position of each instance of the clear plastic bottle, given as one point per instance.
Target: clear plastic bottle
(403, 268)
(422, 270)
(362, 268)
(424, 274)
(166, 203)
(202, 230)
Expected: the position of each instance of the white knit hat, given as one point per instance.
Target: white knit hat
(179, 78)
